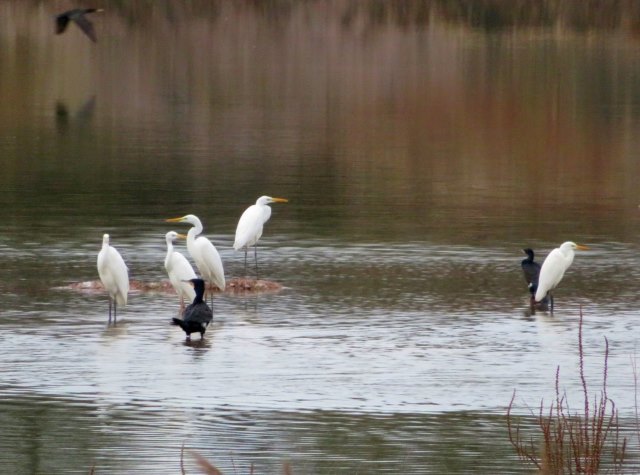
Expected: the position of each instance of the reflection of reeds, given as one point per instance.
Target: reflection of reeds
(573, 442)
(208, 468)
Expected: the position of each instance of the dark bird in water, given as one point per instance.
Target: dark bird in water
(531, 270)
(77, 15)
(198, 315)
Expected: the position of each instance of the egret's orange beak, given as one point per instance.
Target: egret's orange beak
(280, 200)
(581, 247)
(174, 220)
(182, 236)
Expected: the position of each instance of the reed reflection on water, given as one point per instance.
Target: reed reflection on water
(422, 145)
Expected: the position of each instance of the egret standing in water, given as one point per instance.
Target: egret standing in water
(553, 269)
(250, 226)
(77, 15)
(179, 270)
(198, 315)
(204, 253)
(114, 275)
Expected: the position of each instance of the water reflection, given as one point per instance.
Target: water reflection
(420, 157)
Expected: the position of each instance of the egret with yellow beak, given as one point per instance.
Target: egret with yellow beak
(204, 254)
(251, 224)
(553, 269)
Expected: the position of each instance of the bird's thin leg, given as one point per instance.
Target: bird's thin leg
(245, 262)
(115, 312)
(109, 309)
(551, 301)
(255, 252)
(181, 305)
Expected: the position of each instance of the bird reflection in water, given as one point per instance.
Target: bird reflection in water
(83, 117)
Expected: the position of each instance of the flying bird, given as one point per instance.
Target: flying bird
(114, 275)
(204, 253)
(553, 269)
(251, 224)
(77, 15)
(179, 270)
(198, 315)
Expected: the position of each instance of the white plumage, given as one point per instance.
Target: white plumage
(179, 270)
(204, 254)
(114, 275)
(554, 267)
(251, 224)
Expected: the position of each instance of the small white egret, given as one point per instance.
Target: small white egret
(114, 275)
(179, 270)
(204, 253)
(553, 269)
(198, 315)
(250, 226)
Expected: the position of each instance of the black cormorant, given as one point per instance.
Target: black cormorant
(77, 15)
(198, 315)
(531, 270)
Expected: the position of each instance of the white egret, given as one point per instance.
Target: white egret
(204, 253)
(250, 226)
(179, 270)
(553, 269)
(198, 315)
(114, 275)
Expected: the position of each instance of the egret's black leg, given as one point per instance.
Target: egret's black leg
(115, 312)
(109, 309)
(245, 262)
(551, 301)
(255, 253)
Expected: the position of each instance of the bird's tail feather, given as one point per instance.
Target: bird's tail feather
(177, 322)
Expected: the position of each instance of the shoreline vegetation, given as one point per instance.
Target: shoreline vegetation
(570, 440)
(485, 15)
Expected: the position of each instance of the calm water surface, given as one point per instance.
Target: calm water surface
(418, 159)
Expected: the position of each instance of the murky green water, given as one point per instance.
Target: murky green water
(418, 156)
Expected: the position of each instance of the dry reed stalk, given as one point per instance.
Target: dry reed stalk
(204, 464)
(573, 442)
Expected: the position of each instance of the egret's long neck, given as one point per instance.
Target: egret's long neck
(567, 253)
(169, 247)
(196, 229)
(192, 234)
